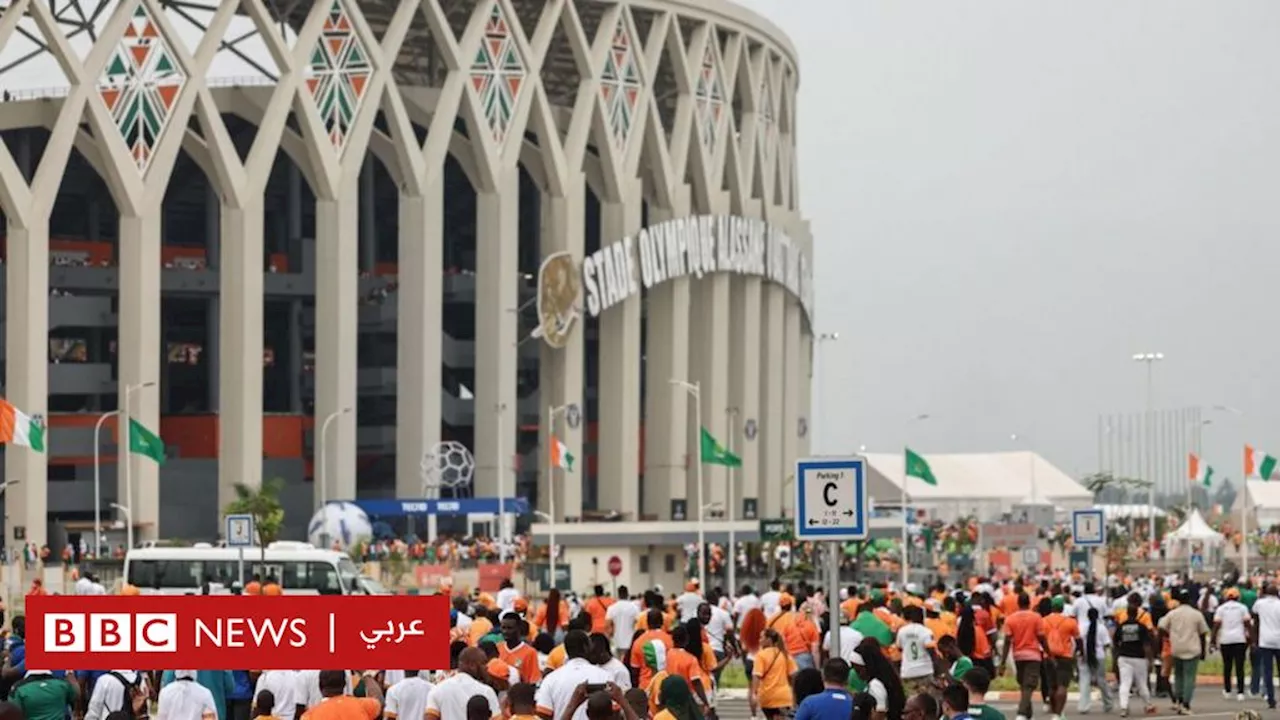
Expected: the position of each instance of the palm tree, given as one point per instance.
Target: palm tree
(263, 503)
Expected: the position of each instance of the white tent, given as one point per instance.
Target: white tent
(1195, 529)
(983, 484)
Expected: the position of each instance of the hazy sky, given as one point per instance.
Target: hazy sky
(1009, 199)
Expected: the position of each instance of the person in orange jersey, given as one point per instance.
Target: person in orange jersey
(1060, 631)
(598, 608)
(37, 588)
(641, 647)
(1026, 639)
(516, 652)
(552, 617)
(254, 586)
(272, 587)
(519, 702)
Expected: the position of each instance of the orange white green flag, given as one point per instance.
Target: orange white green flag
(1258, 464)
(560, 455)
(17, 428)
(1198, 471)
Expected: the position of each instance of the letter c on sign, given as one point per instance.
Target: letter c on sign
(146, 633)
(826, 494)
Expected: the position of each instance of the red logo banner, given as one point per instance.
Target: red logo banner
(66, 632)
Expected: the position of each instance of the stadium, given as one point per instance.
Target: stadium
(313, 240)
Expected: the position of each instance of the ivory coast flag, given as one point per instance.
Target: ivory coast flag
(17, 428)
(1257, 462)
(560, 455)
(1198, 471)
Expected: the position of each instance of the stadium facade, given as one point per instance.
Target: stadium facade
(354, 225)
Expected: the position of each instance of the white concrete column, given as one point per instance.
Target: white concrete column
(773, 471)
(561, 371)
(27, 374)
(666, 468)
(240, 355)
(139, 361)
(793, 389)
(337, 305)
(497, 243)
(368, 218)
(419, 320)
(618, 390)
(709, 365)
(744, 387)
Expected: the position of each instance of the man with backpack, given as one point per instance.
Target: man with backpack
(117, 691)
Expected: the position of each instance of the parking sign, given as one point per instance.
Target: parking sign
(1088, 528)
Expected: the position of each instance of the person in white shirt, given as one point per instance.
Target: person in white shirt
(620, 621)
(507, 596)
(849, 639)
(1231, 631)
(464, 620)
(408, 698)
(688, 601)
(1092, 662)
(1091, 599)
(602, 656)
(284, 686)
(556, 691)
(110, 693)
(746, 602)
(771, 602)
(1267, 608)
(719, 627)
(914, 640)
(449, 699)
(186, 699)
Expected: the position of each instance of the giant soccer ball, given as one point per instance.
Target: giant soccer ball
(448, 464)
(341, 521)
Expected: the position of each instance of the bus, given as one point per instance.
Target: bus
(300, 568)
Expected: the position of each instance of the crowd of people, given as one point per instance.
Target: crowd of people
(903, 653)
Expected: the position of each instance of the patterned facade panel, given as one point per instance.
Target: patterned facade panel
(708, 94)
(339, 74)
(140, 85)
(498, 72)
(620, 84)
(767, 135)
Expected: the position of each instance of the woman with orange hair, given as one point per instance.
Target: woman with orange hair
(752, 628)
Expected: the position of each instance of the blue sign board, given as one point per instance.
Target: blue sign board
(831, 499)
(1088, 528)
(442, 506)
(239, 531)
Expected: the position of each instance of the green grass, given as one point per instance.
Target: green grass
(733, 676)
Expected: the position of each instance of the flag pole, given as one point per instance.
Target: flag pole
(905, 563)
(551, 492)
(1244, 520)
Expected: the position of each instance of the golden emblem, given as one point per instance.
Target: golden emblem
(558, 290)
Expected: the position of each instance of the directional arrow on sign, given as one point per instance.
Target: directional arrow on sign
(812, 521)
(848, 513)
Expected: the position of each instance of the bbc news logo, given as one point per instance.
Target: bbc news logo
(110, 632)
(219, 632)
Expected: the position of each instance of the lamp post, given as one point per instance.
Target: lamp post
(499, 409)
(694, 391)
(731, 422)
(128, 518)
(324, 433)
(1244, 505)
(126, 419)
(906, 565)
(1150, 359)
(97, 477)
(552, 412)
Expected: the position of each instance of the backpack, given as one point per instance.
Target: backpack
(135, 701)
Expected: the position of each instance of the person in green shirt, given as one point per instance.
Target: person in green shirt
(1248, 596)
(870, 625)
(950, 650)
(41, 696)
(978, 681)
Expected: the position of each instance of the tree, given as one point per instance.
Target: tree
(263, 503)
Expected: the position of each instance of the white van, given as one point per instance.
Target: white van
(301, 569)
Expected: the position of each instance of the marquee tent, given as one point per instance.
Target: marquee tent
(1195, 529)
(981, 484)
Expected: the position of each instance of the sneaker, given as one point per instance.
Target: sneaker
(1124, 712)
(1151, 710)
(1226, 694)
(1239, 697)
(1184, 710)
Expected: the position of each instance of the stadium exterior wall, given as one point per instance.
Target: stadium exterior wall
(727, 93)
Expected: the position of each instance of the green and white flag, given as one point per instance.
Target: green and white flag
(1198, 471)
(713, 453)
(917, 467)
(144, 442)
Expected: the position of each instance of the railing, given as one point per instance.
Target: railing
(46, 93)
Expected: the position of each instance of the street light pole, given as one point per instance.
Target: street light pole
(499, 409)
(731, 422)
(324, 432)
(694, 390)
(97, 477)
(1150, 358)
(126, 421)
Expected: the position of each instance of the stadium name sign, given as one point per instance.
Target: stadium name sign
(695, 246)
